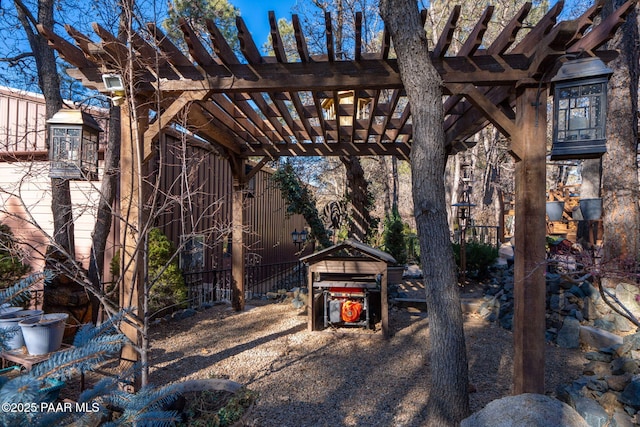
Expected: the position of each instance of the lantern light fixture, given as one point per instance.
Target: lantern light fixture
(464, 213)
(73, 145)
(580, 109)
(299, 237)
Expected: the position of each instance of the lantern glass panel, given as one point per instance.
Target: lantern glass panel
(66, 145)
(89, 151)
(578, 113)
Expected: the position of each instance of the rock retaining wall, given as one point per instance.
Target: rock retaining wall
(608, 393)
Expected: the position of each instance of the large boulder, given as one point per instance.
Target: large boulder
(525, 410)
(626, 294)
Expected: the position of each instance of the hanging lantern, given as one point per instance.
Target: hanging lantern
(580, 109)
(464, 213)
(73, 145)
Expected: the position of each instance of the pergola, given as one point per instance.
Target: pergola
(273, 106)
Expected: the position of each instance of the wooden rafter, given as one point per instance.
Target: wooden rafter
(273, 105)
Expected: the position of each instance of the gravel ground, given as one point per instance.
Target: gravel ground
(339, 377)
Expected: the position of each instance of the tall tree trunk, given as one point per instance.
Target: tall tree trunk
(448, 403)
(619, 165)
(358, 194)
(104, 217)
(387, 184)
(49, 83)
(394, 187)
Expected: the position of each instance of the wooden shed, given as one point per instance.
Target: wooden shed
(345, 275)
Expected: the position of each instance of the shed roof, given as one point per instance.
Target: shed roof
(363, 249)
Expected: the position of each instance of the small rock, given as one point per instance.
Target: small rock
(597, 338)
(609, 402)
(566, 285)
(598, 356)
(589, 290)
(624, 365)
(577, 314)
(631, 394)
(569, 393)
(629, 343)
(569, 334)
(599, 369)
(618, 382)
(592, 412)
(485, 312)
(622, 419)
(598, 385)
(507, 321)
(622, 323)
(552, 277)
(626, 294)
(575, 290)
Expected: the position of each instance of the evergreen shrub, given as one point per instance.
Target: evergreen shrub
(480, 257)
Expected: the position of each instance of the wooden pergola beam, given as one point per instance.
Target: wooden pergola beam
(169, 115)
(243, 107)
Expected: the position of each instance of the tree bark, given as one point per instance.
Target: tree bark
(49, 83)
(621, 217)
(104, 217)
(358, 194)
(448, 404)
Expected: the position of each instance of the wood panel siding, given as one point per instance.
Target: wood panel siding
(201, 204)
(22, 121)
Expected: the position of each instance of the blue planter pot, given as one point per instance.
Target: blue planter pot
(591, 209)
(554, 210)
(43, 334)
(11, 320)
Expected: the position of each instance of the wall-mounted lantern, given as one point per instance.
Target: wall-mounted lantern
(580, 109)
(73, 145)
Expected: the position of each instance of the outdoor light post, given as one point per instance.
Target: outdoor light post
(299, 237)
(73, 145)
(464, 217)
(580, 109)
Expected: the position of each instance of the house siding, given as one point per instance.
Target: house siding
(25, 191)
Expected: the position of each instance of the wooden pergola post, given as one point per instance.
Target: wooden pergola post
(241, 111)
(132, 257)
(237, 235)
(529, 144)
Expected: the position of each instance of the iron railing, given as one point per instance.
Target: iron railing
(486, 234)
(206, 287)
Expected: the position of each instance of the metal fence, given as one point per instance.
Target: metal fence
(205, 287)
(486, 234)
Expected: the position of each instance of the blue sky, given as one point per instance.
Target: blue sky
(256, 15)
